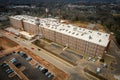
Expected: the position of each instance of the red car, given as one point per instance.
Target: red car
(32, 48)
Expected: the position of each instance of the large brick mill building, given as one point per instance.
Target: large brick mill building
(93, 43)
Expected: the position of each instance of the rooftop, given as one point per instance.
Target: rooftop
(92, 36)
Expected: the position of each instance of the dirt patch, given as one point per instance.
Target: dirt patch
(40, 43)
(81, 24)
(71, 56)
(57, 50)
(6, 43)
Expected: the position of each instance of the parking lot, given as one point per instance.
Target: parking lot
(4, 76)
(21, 62)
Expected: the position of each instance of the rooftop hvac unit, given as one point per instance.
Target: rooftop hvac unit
(75, 28)
(90, 37)
(100, 40)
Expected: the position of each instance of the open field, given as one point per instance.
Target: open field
(81, 24)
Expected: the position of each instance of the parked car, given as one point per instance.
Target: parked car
(98, 70)
(32, 48)
(41, 68)
(4, 65)
(89, 58)
(38, 66)
(25, 56)
(44, 71)
(18, 65)
(8, 71)
(21, 53)
(13, 52)
(47, 73)
(50, 75)
(15, 37)
(28, 58)
(13, 60)
(39, 49)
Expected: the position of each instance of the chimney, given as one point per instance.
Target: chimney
(111, 35)
(22, 27)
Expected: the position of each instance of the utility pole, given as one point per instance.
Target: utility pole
(59, 13)
(46, 10)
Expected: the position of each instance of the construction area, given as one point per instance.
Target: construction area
(60, 51)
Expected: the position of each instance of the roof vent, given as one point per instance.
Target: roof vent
(73, 33)
(75, 28)
(90, 31)
(77, 34)
(82, 34)
(99, 33)
(100, 40)
(69, 26)
(66, 30)
(90, 37)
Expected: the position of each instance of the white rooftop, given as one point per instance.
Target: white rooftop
(12, 30)
(92, 36)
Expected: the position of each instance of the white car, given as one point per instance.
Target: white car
(98, 70)
(50, 75)
(41, 68)
(13, 60)
(47, 73)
